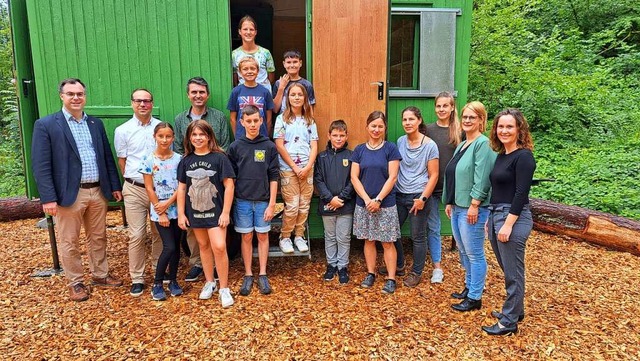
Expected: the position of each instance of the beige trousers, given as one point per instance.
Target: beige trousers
(296, 194)
(90, 211)
(136, 207)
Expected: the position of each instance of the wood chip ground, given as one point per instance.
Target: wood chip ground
(582, 303)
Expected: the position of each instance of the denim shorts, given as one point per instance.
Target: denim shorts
(249, 215)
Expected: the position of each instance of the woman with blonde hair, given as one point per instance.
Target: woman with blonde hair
(467, 191)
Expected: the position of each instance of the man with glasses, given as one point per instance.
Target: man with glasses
(198, 94)
(133, 140)
(76, 174)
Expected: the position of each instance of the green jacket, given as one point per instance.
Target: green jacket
(472, 173)
(215, 118)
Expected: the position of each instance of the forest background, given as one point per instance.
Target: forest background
(571, 66)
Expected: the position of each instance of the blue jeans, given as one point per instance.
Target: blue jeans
(249, 215)
(404, 202)
(433, 225)
(470, 241)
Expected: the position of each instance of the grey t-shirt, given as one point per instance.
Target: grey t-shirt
(440, 136)
(413, 175)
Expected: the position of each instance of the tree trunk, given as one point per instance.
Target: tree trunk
(14, 208)
(592, 226)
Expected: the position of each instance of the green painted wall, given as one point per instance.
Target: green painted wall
(463, 46)
(115, 46)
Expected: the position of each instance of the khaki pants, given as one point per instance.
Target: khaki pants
(296, 194)
(90, 211)
(194, 259)
(136, 203)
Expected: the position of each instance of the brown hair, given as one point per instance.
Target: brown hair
(206, 129)
(288, 115)
(481, 111)
(70, 81)
(422, 128)
(162, 125)
(455, 131)
(249, 19)
(338, 124)
(524, 139)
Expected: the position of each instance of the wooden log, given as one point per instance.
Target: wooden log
(15, 208)
(600, 228)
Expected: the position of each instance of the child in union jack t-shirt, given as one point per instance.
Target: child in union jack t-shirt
(249, 93)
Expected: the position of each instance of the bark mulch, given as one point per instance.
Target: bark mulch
(582, 303)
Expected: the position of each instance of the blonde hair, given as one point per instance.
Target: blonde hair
(455, 130)
(248, 59)
(288, 116)
(481, 111)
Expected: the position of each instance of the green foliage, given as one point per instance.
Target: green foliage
(573, 68)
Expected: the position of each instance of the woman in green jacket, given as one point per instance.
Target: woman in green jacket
(466, 194)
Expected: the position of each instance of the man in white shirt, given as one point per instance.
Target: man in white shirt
(133, 140)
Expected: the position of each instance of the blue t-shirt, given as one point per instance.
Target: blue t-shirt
(374, 170)
(165, 180)
(258, 96)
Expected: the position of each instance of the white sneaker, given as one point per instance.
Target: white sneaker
(301, 244)
(286, 246)
(225, 298)
(437, 276)
(208, 290)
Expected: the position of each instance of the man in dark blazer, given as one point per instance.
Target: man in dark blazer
(76, 174)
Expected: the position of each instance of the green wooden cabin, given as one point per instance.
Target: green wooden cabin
(361, 55)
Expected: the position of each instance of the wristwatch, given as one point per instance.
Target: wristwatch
(424, 199)
(377, 200)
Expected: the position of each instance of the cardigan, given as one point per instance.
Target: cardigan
(472, 173)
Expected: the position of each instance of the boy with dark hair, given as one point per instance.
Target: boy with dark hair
(292, 64)
(255, 160)
(332, 178)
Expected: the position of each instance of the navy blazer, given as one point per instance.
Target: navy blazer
(56, 161)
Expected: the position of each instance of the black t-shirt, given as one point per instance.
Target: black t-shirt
(203, 175)
(511, 179)
(450, 177)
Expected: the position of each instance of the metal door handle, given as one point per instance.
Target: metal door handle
(380, 89)
(25, 87)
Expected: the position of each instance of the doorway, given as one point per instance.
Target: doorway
(282, 26)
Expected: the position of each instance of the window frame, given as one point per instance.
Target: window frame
(422, 90)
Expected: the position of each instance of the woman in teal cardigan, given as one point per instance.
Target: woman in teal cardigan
(467, 191)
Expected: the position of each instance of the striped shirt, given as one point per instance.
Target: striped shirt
(82, 136)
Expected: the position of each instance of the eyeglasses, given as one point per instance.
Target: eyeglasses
(469, 117)
(72, 95)
(141, 101)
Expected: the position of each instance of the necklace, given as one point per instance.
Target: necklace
(371, 147)
(164, 157)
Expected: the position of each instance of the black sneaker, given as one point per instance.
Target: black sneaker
(330, 273)
(263, 285)
(389, 287)
(400, 271)
(368, 281)
(247, 283)
(136, 289)
(194, 274)
(343, 275)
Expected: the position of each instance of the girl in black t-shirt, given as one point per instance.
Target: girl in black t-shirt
(205, 195)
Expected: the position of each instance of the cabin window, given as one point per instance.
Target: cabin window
(422, 51)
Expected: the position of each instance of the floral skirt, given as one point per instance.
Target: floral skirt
(382, 226)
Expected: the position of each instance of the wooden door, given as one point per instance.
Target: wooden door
(349, 51)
